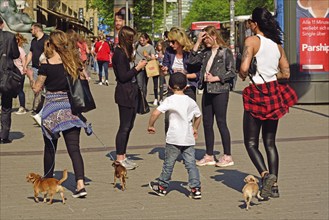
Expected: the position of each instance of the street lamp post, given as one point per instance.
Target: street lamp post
(232, 26)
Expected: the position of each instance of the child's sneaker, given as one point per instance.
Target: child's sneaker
(206, 161)
(225, 161)
(195, 193)
(159, 190)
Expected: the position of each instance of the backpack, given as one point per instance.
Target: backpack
(10, 76)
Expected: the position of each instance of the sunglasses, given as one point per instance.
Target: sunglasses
(172, 41)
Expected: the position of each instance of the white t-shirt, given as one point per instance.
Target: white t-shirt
(182, 110)
(178, 64)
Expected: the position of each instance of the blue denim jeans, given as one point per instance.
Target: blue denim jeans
(171, 154)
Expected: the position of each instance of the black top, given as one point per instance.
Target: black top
(56, 79)
(37, 48)
(126, 90)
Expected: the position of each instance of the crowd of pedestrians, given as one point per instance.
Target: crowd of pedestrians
(207, 65)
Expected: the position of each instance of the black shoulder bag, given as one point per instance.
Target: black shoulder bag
(80, 96)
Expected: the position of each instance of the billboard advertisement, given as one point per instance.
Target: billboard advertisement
(312, 36)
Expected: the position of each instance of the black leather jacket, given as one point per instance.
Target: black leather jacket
(225, 72)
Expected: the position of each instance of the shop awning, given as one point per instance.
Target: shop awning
(67, 18)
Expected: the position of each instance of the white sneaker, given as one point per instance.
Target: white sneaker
(21, 111)
(37, 119)
(100, 83)
(155, 102)
(106, 82)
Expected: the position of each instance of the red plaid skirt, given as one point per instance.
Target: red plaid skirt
(270, 102)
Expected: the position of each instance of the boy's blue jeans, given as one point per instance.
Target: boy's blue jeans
(171, 154)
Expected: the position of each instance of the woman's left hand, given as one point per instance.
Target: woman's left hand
(211, 78)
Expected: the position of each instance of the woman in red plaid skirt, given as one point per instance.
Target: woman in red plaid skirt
(263, 101)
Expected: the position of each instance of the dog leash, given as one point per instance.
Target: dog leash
(102, 144)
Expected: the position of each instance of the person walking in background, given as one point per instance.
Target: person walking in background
(57, 115)
(272, 64)
(9, 47)
(217, 66)
(102, 49)
(119, 22)
(20, 63)
(144, 51)
(36, 49)
(126, 91)
(159, 54)
(185, 118)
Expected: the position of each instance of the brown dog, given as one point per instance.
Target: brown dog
(120, 172)
(251, 189)
(46, 186)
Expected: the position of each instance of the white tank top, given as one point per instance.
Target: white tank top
(267, 57)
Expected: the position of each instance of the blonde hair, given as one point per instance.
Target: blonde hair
(59, 42)
(21, 40)
(180, 36)
(211, 31)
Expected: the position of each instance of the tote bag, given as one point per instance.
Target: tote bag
(80, 96)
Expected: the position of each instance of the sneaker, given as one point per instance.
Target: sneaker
(106, 82)
(131, 162)
(206, 161)
(195, 193)
(37, 119)
(275, 192)
(267, 184)
(225, 161)
(21, 111)
(155, 102)
(100, 83)
(159, 190)
(80, 194)
(126, 164)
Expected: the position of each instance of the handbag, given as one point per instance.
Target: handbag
(152, 68)
(80, 96)
(142, 106)
(253, 67)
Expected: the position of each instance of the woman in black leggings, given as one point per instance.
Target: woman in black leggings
(217, 67)
(262, 112)
(126, 91)
(57, 115)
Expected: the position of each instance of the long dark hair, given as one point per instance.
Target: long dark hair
(267, 24)
(126, 40)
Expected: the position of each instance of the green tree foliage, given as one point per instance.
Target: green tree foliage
(142, 15)
(219, 10)
(105, 10)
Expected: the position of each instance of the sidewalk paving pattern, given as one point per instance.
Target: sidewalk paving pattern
(302, 142)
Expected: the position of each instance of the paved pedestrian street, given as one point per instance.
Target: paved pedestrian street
(302, 142)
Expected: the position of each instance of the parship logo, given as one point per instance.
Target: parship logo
(310, 48)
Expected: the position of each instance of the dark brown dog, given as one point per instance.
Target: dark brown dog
(251, 189)
(46, 186)
(120, 172)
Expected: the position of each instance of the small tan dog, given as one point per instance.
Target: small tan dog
(46, 186)
(251, 189)
(120, 172)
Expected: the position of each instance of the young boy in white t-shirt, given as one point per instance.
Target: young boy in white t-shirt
(184, 120)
